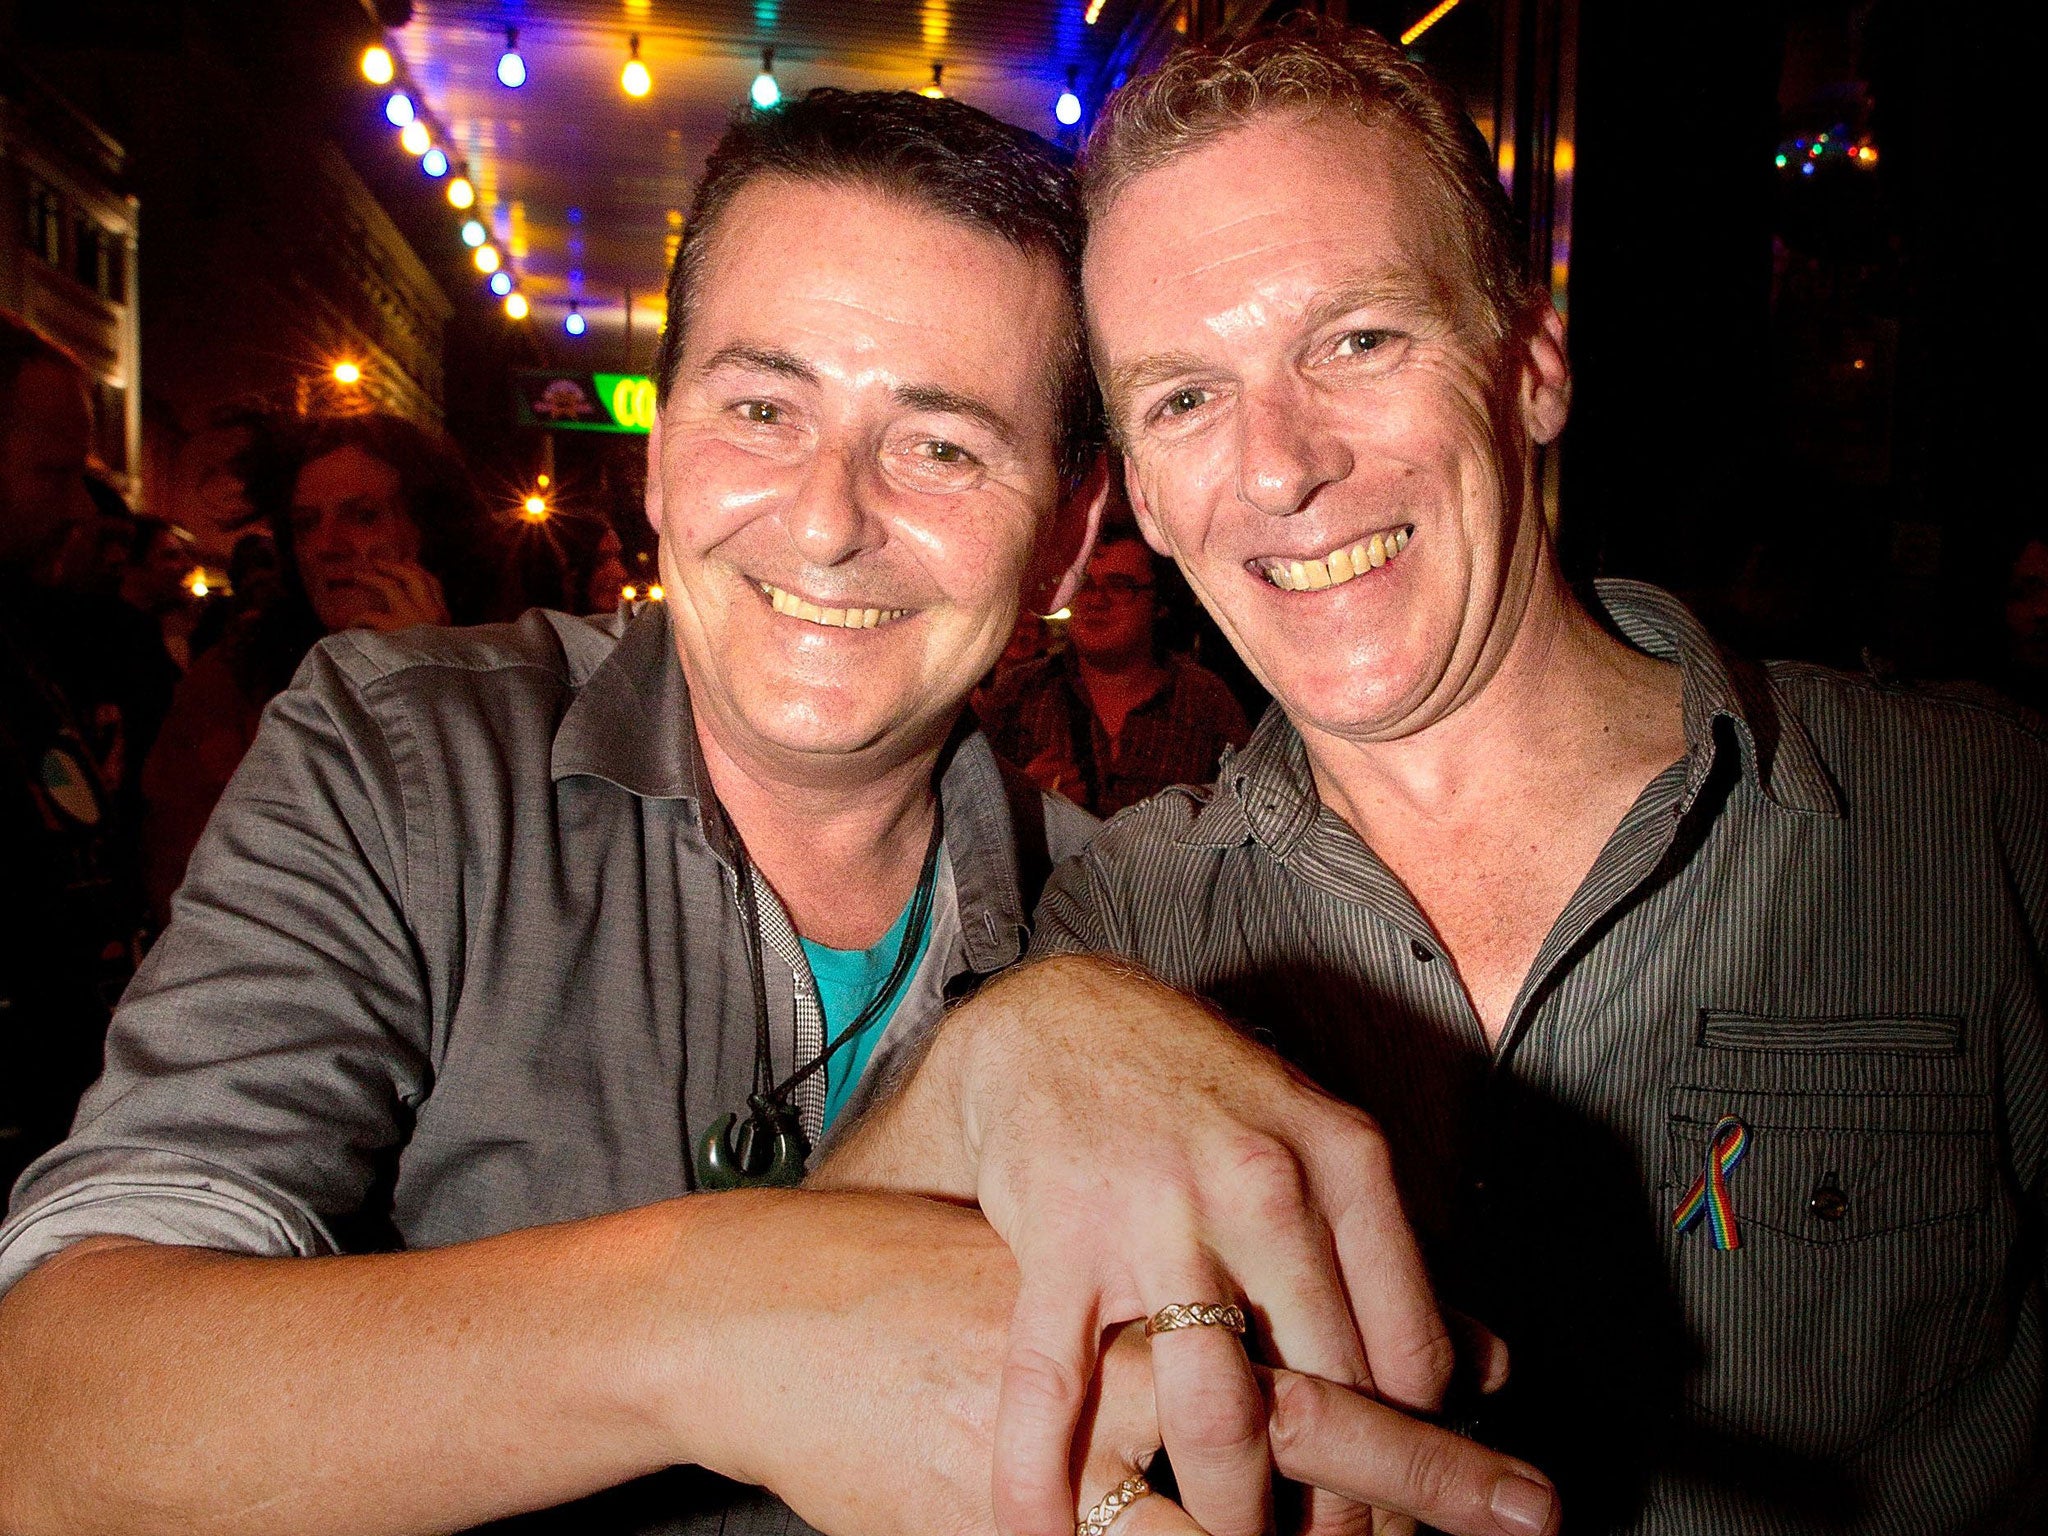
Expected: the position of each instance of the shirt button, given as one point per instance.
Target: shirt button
(1827, 1200)
(1421, 951)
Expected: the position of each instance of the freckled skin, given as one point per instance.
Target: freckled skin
(1307, 429)
(833, 488)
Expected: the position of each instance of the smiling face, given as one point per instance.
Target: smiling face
(1322, 423)
(348, 522)
(854, 475)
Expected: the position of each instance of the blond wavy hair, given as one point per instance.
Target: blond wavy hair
(1306, 68)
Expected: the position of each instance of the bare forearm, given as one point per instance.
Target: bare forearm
(146, 1387)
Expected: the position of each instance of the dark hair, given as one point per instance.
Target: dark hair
(1306, 67)
(938, 153)
(434, 489)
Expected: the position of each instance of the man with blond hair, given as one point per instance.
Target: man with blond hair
(1701, 1002)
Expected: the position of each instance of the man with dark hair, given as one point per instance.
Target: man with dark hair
(1702, 1002)
(1109, 721)
(501, 940)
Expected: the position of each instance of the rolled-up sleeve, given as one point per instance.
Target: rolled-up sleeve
(263, 1068)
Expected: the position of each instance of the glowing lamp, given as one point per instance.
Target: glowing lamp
(766, 90)
(415, 138)
(634, 79)
(516, 306)
(536, 507)
(574, 322)
(936, 90)
(347, 373)
(629, 593)
(511, 67)
(398, 109)
(655, 594)
(501, 283)
(199, 587)
(461, 193)
(434, 163)
(377, 66)
(1068, 108)
(473, 233)
(487, 259)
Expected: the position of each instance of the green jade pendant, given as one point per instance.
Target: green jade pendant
(769, 1152)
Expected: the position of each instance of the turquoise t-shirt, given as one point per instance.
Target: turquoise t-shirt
(847, 979)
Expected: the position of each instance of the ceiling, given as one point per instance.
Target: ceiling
(584, 186)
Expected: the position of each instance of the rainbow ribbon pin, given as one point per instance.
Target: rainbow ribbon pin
(1709, 1195)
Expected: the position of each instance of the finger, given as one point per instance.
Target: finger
(1407, 1347)
(1054, 1336)
(1306, 1324)
(1212, 1413)
(1155, 1515)
(1349, 1444)
(1480, 1350)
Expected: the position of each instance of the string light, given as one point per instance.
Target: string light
(1436, 14)
(516, 305)
(542, 481)
(936, 90)
(634, 79)
(1094, 11)
(766, 90)
(346, 372)
(655, 594)
(474, 233)
(1068, 108)
(537, 507)
(511, 67)
(574, 323)
(629, 593)
(487, 259)
(398, 109)
(415, 138)
(501, 283)
(461, 193)
(377, 65)
(434, 163)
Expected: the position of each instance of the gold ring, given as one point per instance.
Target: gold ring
(1114, 1503)
(1196, 1314)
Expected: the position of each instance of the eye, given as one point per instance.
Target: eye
(763, 413)
(1358, 343)
(942, 452)
(1181, 401)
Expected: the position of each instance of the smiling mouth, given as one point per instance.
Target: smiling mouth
(832, 618)
(1338, 566)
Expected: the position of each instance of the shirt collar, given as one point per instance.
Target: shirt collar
(631, 725)
(1267, 791)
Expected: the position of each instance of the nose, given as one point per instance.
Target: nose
(1283, 456)
(830, 519)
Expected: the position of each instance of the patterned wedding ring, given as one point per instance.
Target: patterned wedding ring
(1196, 1314)
(1114, 1503)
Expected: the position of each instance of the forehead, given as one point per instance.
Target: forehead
(1265, 220)
(871, 270)
(343, 472)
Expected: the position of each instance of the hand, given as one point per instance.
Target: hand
(387, 595)
(1235, 1179)
(860, 1387)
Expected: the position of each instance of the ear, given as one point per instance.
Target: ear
(1546, 389)
(1061, 558)
(654, 503)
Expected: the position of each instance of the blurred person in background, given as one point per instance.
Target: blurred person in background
(69, 901)
(155, 579)
(1111, 720)
(376, 526)
(572, 564)
(2025, 675)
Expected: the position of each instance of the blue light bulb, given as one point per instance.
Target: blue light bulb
(511, 67)
(574, 324)
(474, 234)
(398, 109)
(765, 93)
(1068, 108)
(434, 163)
(501, 282)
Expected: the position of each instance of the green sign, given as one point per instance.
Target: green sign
(586, 402)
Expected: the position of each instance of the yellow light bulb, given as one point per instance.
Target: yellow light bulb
(377, 66)
(629, 594)
(461, 193)
(486, 258)
(347, 373)
(655, 593)
(536, 506)
(516, 306)
(415, 138)
(634, 79)
(541, 481)
(199, 587)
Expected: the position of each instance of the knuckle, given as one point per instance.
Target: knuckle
(1297, 1417)
(1265, 1175)
(1036, 1378)
(1431, 1473)
(1215, 1425)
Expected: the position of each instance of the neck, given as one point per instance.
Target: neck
(842, 852)
(1562, 701)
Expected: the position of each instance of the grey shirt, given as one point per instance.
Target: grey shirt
(459, 954)
(1827, 919)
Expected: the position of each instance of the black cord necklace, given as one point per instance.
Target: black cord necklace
(771, 1148)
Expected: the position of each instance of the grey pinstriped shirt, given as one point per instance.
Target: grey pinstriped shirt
(1827, 919)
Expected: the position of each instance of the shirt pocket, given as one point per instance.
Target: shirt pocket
(1864, 1206)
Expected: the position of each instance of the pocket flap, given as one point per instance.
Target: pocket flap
(1905, 1034)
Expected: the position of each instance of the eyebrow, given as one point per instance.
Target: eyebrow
(948, 402)
(740, 354)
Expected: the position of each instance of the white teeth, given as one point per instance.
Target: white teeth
(1337, 567)
(832, 618)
